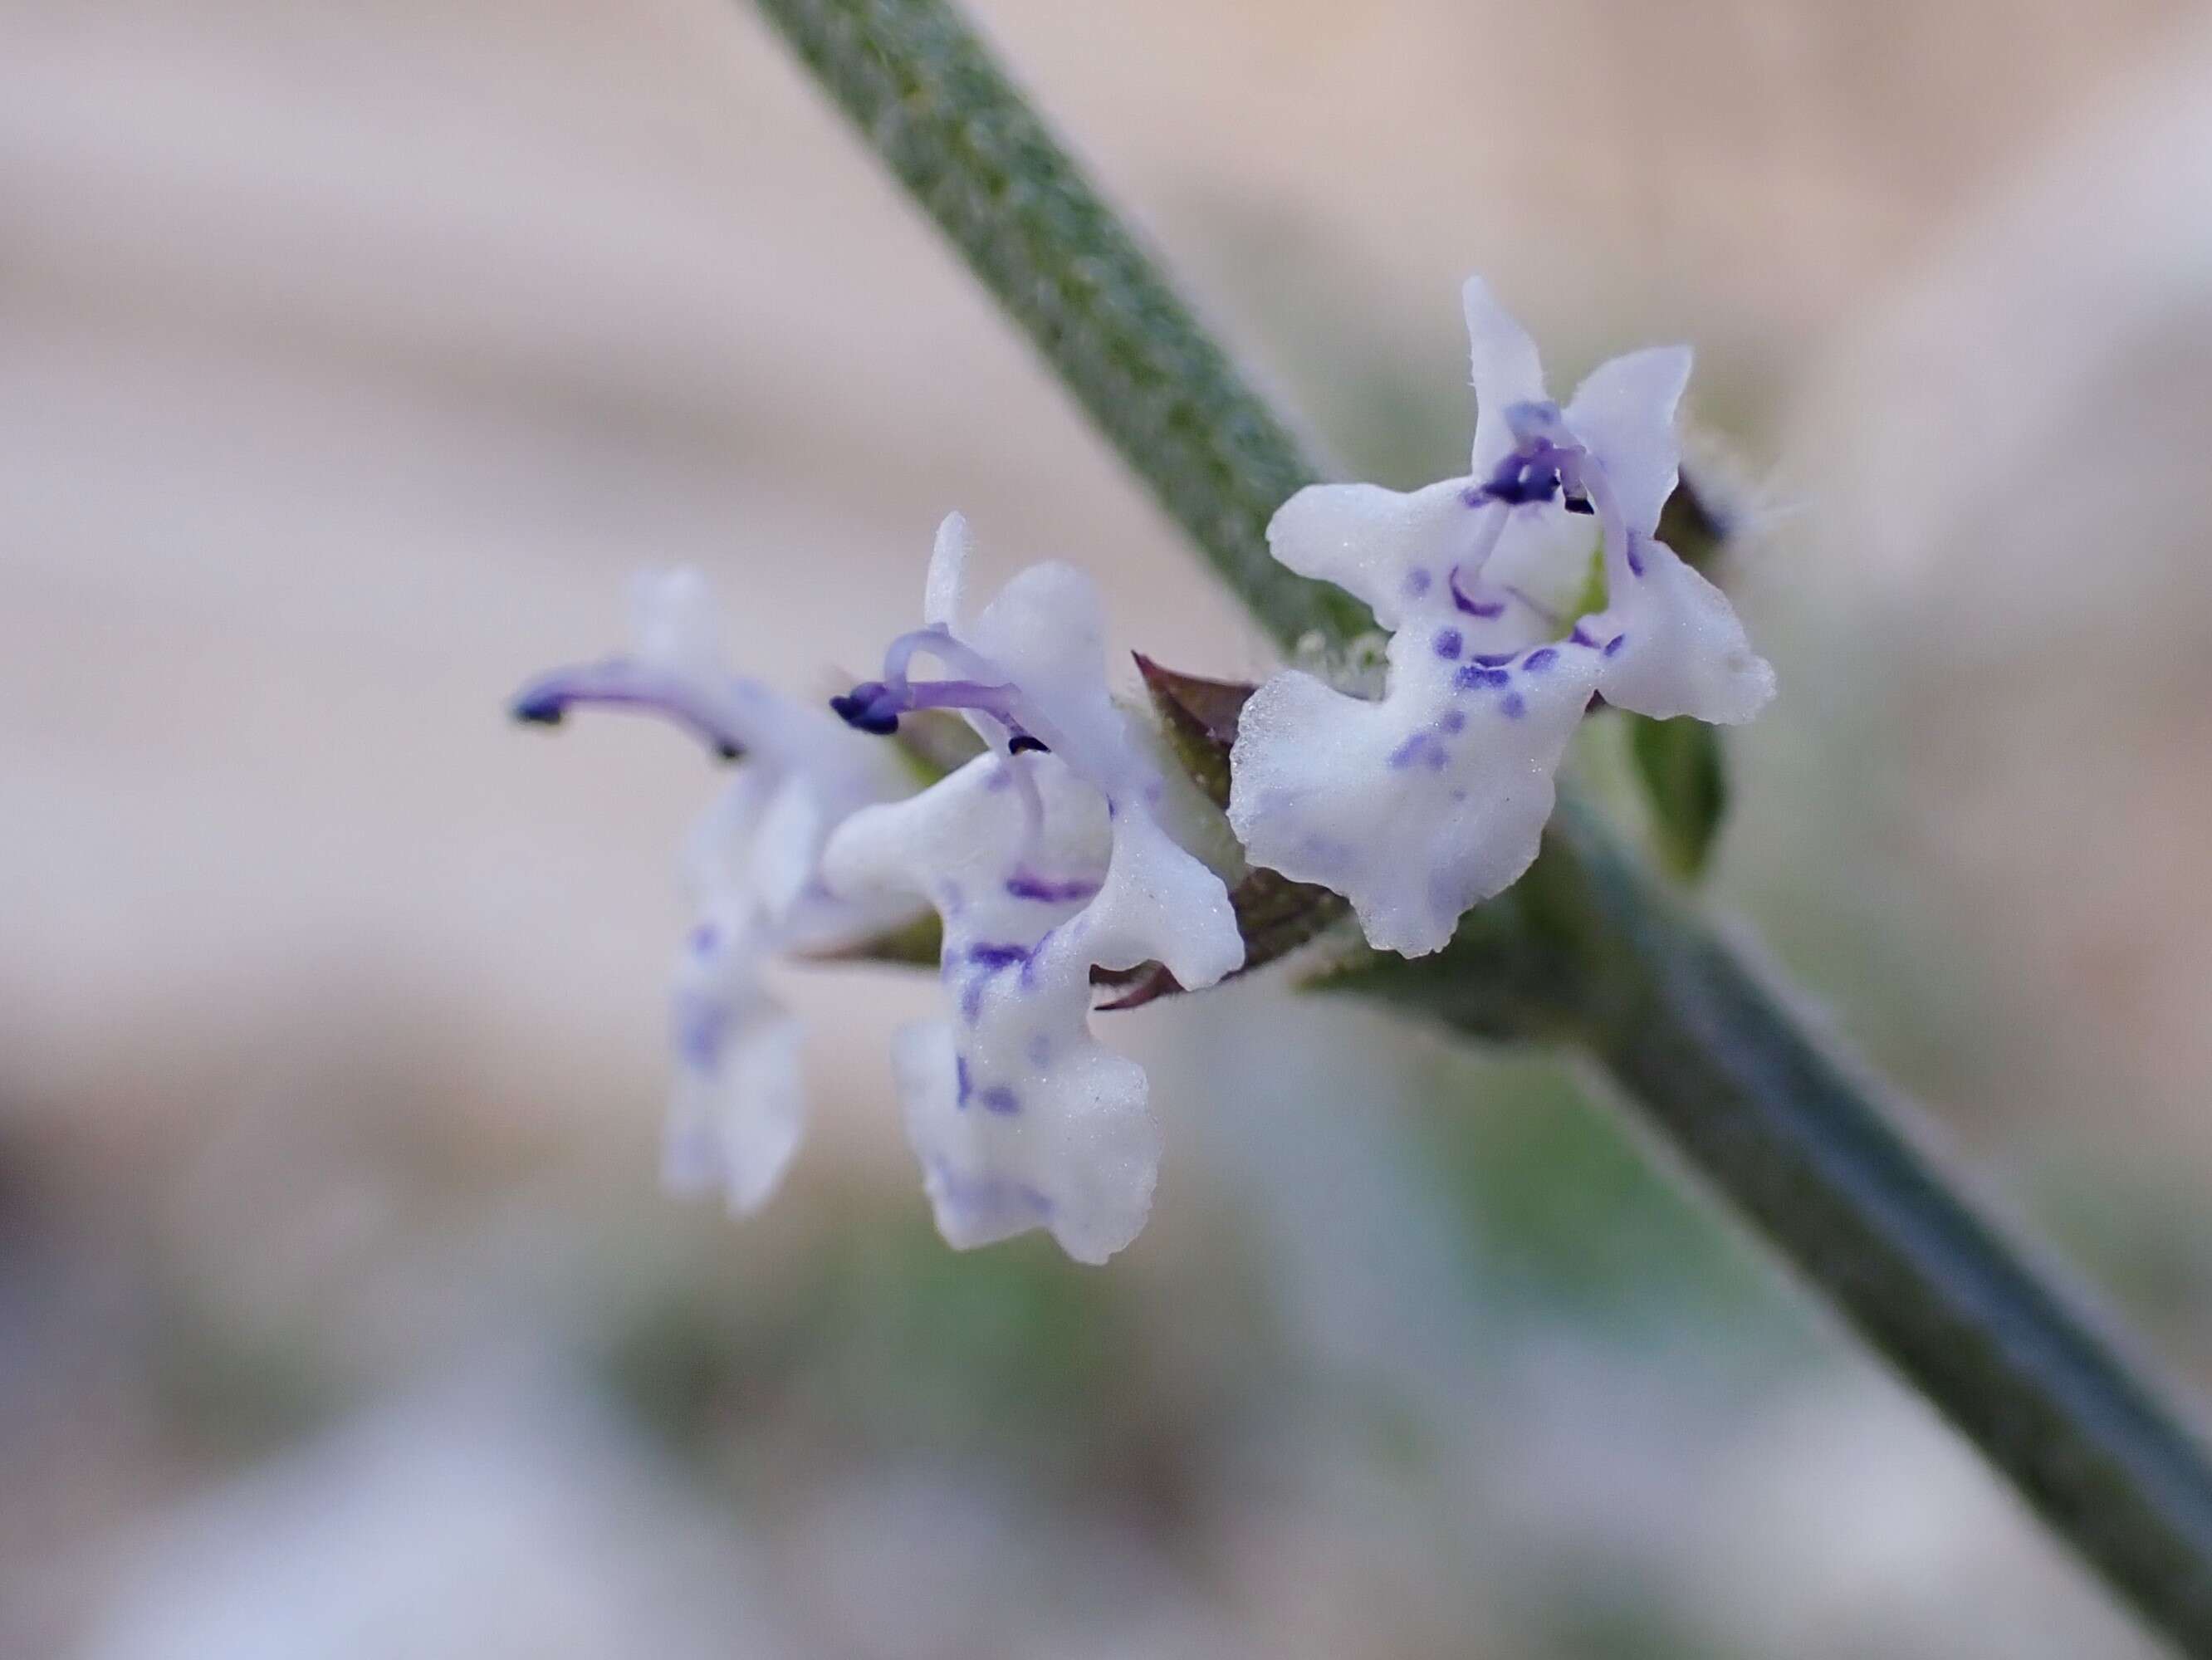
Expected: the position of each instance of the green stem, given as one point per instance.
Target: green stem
(928, 96)
(1588, 948)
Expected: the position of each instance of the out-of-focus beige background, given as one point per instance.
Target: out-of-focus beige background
(349, 355)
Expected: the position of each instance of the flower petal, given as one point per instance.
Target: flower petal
(1160, 903)
(1020, 1118)
(1079, 1157)
(1420, 806)
(948, 572)
(671, 622)
(1624, 412)
(738, 1108)
(1507, 373)
(1675, 646)
(1394, 551)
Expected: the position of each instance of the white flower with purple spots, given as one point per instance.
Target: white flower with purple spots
(751, 872)
(1513, 596)
(1045, 858)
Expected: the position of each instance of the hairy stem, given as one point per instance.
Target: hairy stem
(927, 93)
(1589, 949)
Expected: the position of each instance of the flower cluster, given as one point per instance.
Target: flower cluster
(1517, 598)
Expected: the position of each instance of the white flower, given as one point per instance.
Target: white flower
(1045, 858)
(751, 871)
(1419, 806)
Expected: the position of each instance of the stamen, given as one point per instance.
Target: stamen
(620, 684)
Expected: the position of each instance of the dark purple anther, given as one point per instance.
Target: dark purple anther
(1540, 659)
(1581, 637)
(1525, 475)
(543, 707)
(1635, 556)
(1492, 659)
(1022, 743)
(1449, 643)
(871, 707)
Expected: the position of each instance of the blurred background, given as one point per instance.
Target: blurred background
(350, 357)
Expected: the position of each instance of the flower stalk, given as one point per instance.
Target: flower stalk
(1589, 948)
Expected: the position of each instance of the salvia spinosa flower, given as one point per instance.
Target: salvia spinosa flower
(1046, 857)
(751, 869)
(1515, 597)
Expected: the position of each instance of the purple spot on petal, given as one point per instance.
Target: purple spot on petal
(1417, 583)
(1022, 885)
(1613, 646)
(1581, 637)
(965, 1084)
(704, 938)
(1449, 643)
(1515, 705)
(1491, 660)
(1475, 674)
(700, 1026)
(1452, 721)
(1474, 607)
(1403, 757)
(1001, 1100)
(1635, 558)
(1541, 658)
(1436, 759)
(995, 957)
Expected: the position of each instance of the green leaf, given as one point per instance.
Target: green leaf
(1685, 778)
